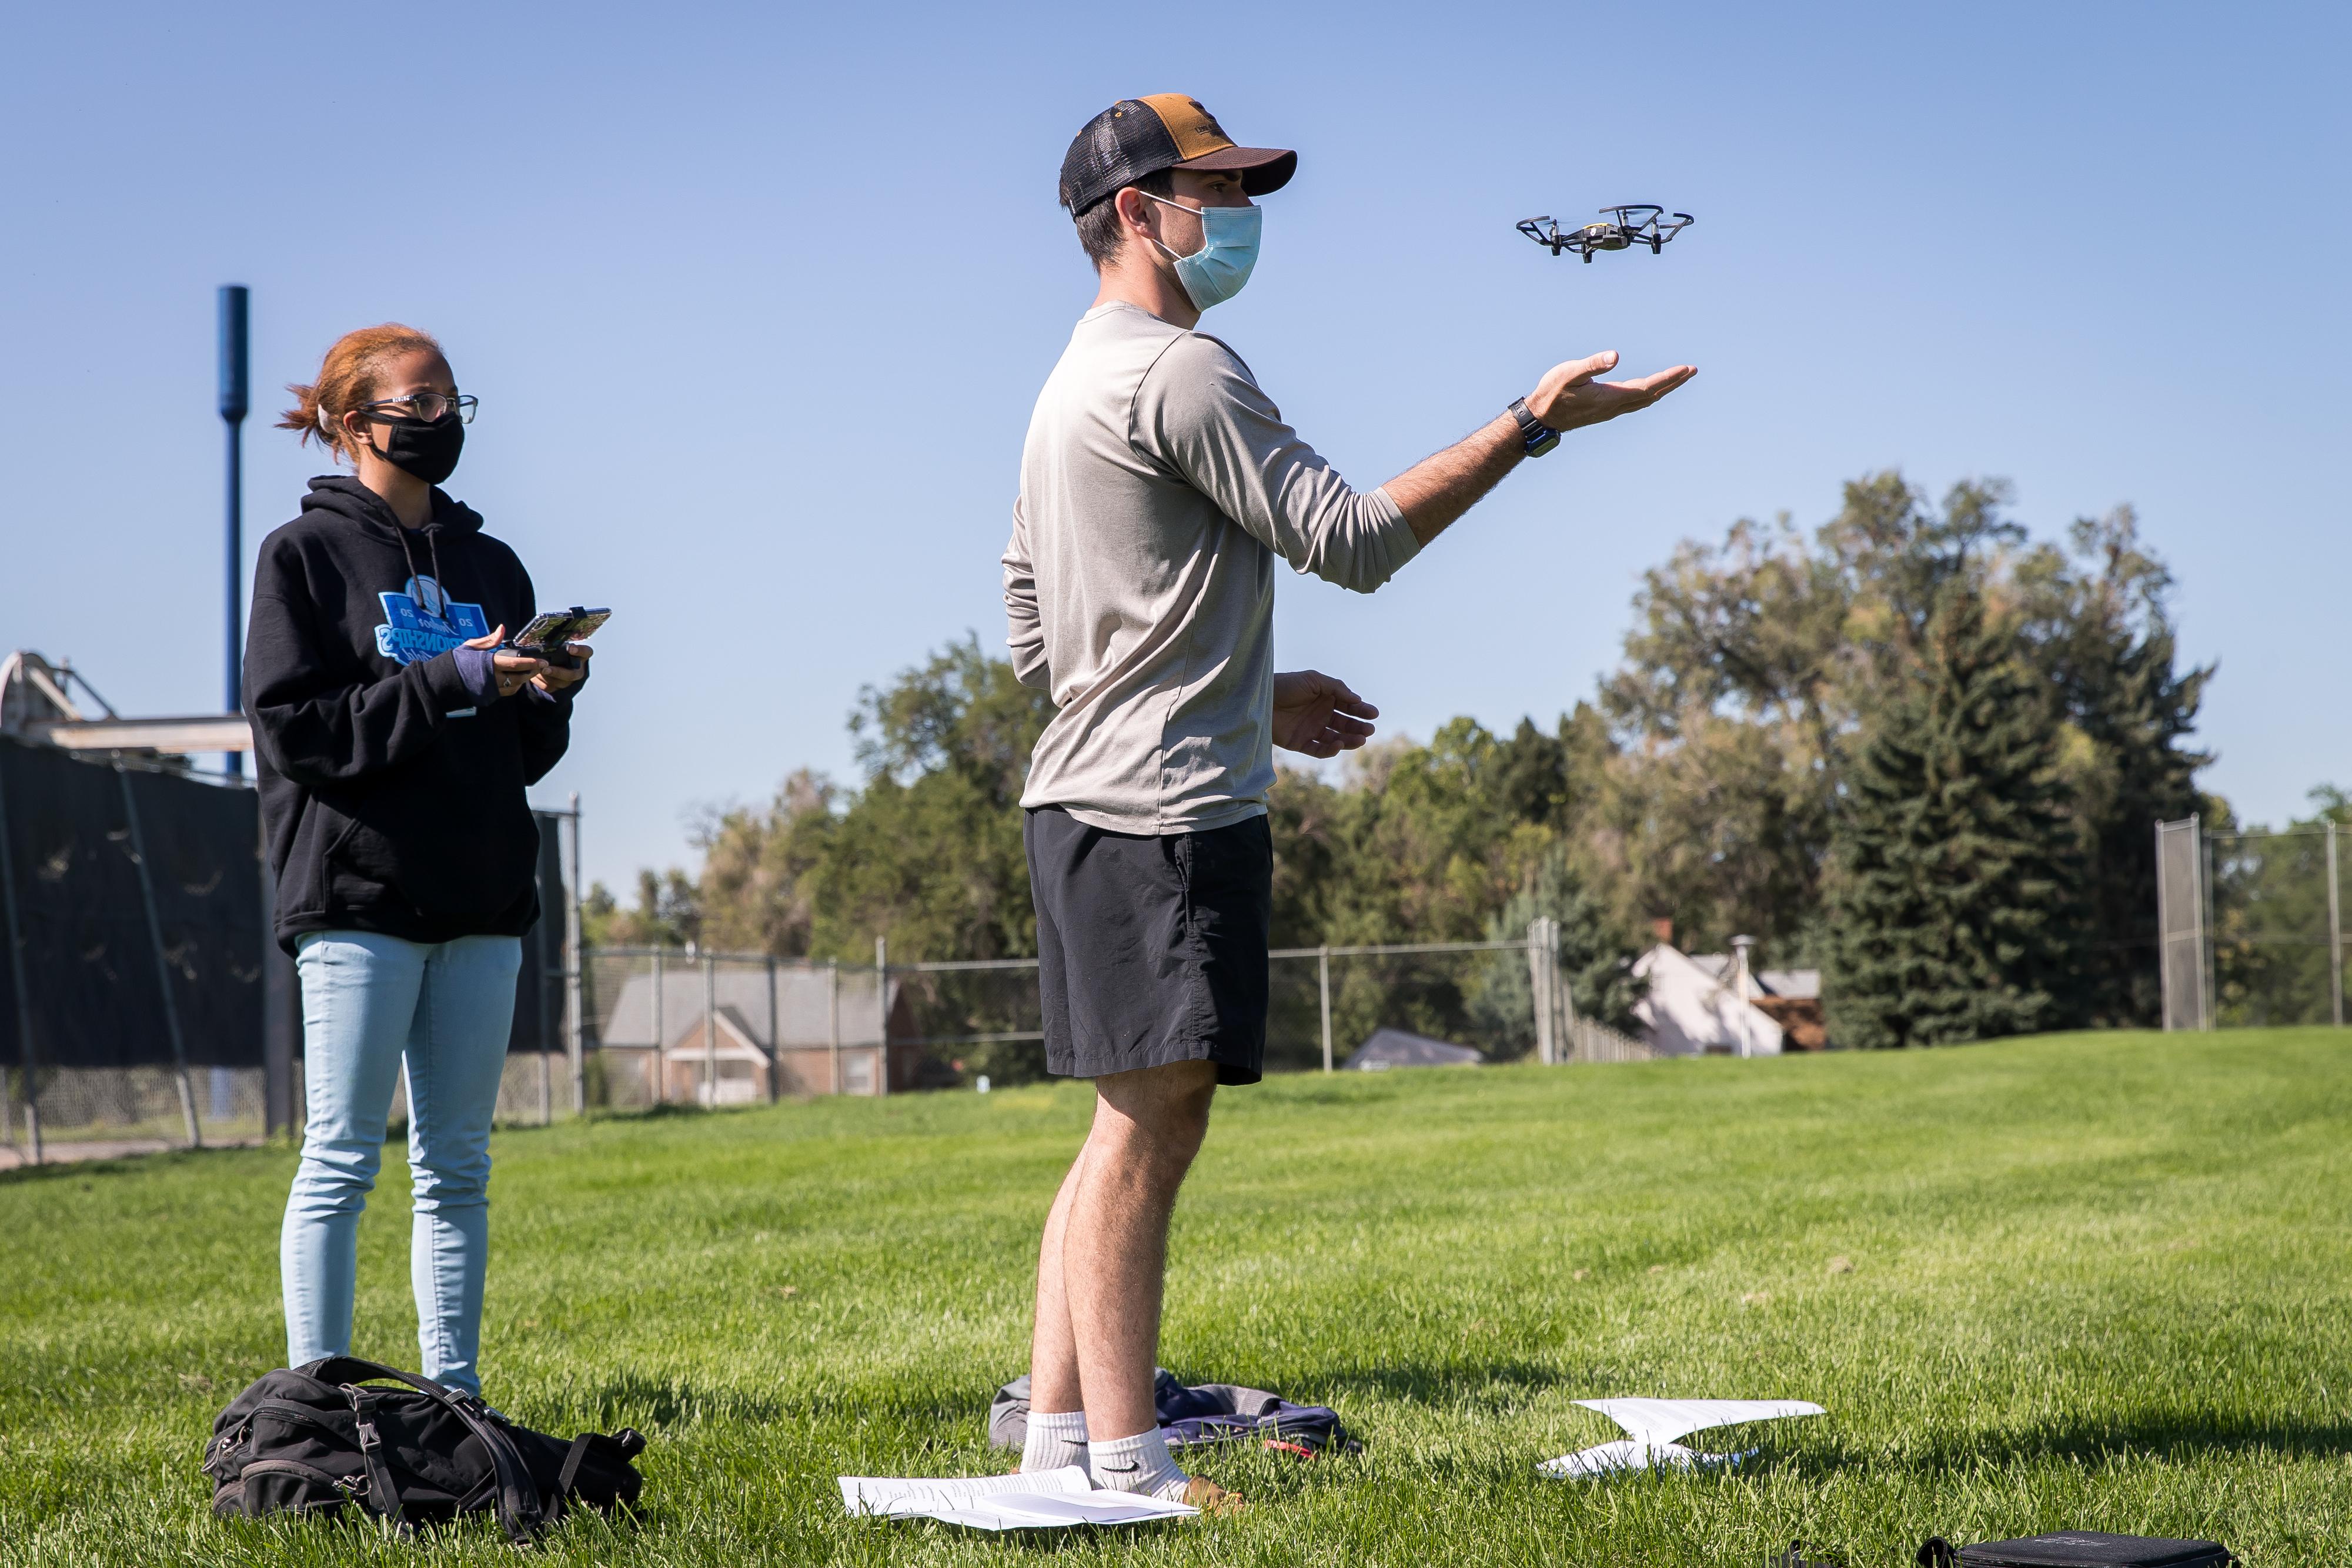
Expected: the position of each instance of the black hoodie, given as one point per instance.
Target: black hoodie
(393, 802)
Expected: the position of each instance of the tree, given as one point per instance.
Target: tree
(668, 913)
(928, 852)
(1746, 676)
(1595, 957)
(2104, 639)
(1709, 783)
(1754, 667)
(1956, 909)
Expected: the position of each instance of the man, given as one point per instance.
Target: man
(1158, 484)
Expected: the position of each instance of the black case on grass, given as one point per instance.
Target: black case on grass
(2079, 1548)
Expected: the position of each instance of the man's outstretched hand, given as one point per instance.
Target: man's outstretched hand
(1569, 397)
(1319, 715)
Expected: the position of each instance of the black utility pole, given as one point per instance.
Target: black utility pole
(233, 404)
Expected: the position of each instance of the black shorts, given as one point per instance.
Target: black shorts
(1150, 949)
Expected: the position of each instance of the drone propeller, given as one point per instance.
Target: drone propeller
(1534, 229)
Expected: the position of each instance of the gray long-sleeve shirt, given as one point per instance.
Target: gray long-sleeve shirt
(1158, 484)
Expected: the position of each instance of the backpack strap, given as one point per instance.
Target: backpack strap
(571, 1457)
(623, 1446)
(516, 1498)
(382, 1495)
(1795, 1558)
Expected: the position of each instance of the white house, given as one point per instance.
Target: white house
(1713, 1004)
(773, 1021)
(740, 1064)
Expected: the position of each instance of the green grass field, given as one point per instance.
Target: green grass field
(2095, 1281)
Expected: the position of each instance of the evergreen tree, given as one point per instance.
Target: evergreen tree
(2104, 637)
(1596, 961)
(1955, 908)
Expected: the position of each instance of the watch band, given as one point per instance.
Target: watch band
(1536, 438)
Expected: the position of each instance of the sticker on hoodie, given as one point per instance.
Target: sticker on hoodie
(410, 633)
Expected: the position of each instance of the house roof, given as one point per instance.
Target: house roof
(1772, 982)
(741, 988)
(735, 1043)
(1401, 1048)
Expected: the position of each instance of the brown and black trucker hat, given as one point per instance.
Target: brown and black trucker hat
(1139, 136)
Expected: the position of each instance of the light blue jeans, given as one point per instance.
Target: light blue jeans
(370, 1004)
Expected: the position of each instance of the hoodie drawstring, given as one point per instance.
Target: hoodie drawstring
(433, 545)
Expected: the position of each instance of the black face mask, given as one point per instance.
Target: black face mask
(427, 448)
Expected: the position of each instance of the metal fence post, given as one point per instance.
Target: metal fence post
(536, 956)
(2335, 934)
(163, 965)
(1323, 983)
(14, 932)
(775, 1040)
(1540, 981)
(710, 1029)
(2163, 933)
(661, 1068)
(575, 984)
(2206, 1011)
(833, 1016)
(882, 1010)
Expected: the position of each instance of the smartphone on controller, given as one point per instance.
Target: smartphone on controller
(547, 636)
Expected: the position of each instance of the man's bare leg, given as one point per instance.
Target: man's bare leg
(1148, 1127)
(1056, 1405)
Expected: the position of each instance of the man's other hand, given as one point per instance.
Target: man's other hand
(1569, 397)
(1319, 715)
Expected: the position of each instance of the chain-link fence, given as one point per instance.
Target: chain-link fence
(670, 1027)
(150, 1008)
(2252, 926)
(143, 1002)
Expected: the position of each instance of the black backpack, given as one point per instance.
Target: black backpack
(310, 1440)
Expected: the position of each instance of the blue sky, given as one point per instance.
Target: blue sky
(757, 298)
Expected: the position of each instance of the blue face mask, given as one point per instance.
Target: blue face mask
(1229, 235)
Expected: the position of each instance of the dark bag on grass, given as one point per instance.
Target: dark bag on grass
(313, 1439)
(2077, 1548)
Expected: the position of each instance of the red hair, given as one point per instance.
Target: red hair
(350, 377)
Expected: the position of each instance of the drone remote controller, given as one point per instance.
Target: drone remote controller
(549, 636)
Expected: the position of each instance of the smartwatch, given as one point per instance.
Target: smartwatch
(1536, 438)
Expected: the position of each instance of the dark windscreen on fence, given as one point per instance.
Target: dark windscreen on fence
(538, 984)
(95, 988)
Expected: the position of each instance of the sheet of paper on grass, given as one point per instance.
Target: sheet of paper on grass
(1655, 1423)
(1047, 1500)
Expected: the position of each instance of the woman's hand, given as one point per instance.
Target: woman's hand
(1319, 716)
(511, 671)
(555, 677)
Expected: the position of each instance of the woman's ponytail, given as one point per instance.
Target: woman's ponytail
(347, 379)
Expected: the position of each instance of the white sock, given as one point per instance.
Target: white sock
(1054, 1441)
(1138, 1464)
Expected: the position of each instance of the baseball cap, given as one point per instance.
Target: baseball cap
(1140, 136)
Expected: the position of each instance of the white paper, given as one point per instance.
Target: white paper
(1045, 1500)
(1657, 1423)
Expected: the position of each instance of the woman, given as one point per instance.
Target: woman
(394, 742)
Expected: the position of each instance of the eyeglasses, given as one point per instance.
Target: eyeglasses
(427, 406)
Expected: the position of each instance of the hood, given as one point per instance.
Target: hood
(345, 497)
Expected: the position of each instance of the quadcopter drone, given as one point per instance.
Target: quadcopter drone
(1638, 223)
